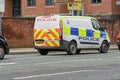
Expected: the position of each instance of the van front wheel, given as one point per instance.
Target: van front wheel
(72, 48)
(2, 53)
(43, 52)
(104, 47)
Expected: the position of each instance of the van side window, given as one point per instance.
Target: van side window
(97, 25)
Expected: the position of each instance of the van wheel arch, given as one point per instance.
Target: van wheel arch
(72, 47)
(2, 52)
(104, 47)
(73, 41)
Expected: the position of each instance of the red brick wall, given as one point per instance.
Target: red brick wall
(104, 7)
(115, 8)
(8, 8)
(41, 8)
(116, 30)
(64, 8)
(19, 32)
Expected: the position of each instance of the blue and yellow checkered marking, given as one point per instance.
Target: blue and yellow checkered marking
(89, 33)
(103, 35)
(85, 32)
(74, 31)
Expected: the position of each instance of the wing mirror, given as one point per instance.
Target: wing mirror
(103, 27)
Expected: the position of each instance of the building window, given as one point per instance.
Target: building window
(49, 2)
(96, 1)
(31, 2)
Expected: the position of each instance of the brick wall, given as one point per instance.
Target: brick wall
(41, 8)
(104, 7)
(115, 8)
(19, 31)
(115, 29)
(8, 8)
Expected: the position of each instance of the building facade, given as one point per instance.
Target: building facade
(16, 8)
(104, 8)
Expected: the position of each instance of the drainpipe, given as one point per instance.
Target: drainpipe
(83, 7)
(112, 21)
(73, 9)
(59, 8)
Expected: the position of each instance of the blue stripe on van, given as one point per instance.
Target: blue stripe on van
(102, 34)
(74, 31)
(89, 33)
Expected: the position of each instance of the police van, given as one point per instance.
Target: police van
(69, 33)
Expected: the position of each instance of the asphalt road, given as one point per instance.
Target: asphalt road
(88, 65)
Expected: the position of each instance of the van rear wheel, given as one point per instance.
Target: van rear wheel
(72, 48)
(43, 52)
(104, 47)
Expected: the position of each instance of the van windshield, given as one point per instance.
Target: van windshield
(97, 25)
(46, 22)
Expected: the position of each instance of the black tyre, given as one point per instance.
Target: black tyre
(72, 48)
(118, 44)
(78, 51)
(2, 52)
(43, 52)
(104, 47)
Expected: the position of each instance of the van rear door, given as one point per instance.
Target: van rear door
(46, 31)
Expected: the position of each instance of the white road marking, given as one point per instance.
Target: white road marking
(4, 64)
(116, 57)
(33, 58)
(53, 74)
(28, 58)
(99, 59)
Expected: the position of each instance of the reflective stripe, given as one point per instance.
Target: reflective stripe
(74, 31)
(102, 34)
(36, 33)
(82, 32)
(41, 35)
(47, 36)
(51, 43)
(67, 30)
(89, 33)
(50, 37)
(96, 34)
(54, 33)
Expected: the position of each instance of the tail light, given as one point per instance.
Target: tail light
(61, 28)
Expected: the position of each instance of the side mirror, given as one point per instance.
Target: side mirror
(104, 27)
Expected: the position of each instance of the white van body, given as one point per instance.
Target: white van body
(70, 33)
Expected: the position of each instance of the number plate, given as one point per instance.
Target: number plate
(39, 42)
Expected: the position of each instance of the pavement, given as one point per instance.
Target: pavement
(32, 50)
